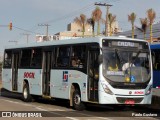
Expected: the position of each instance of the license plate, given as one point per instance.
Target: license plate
(129, 102)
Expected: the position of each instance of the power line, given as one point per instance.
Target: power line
(13, 41)
(74, 13)
(85, 8)
(25, 30)
(69, 15)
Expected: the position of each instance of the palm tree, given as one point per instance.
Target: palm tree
(151, 16)
(144, 25)
(81, 21)
(97, 15)
(111, 19)
(132, 18)
(91, 21)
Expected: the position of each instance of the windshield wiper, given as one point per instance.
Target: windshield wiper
(119, 57)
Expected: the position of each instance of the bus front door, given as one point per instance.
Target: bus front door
(93, 75)
(47, 58)
(15, 61)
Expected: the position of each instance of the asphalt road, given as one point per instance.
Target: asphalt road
(58, 109)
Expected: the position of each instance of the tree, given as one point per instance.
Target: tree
(91, 21)
(144, 25)
(132, 18)
(97, 15)
(111, 19)
(81, 21)
(151, 16)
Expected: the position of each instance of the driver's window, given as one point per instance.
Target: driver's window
(111, 60)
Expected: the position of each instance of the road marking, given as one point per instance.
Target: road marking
(48, 111)
(42, 109)
(72, 118)
(104, 118)
(24, 104)
(56, 109)
(84, 114)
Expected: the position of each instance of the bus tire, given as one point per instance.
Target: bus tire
(76, 99)
(26, 94)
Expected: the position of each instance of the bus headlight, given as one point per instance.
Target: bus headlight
(106, 89)
(149, 90)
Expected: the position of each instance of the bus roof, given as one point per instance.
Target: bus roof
(69, 41)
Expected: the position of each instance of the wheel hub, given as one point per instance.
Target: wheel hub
(77, 99)
(25, 94)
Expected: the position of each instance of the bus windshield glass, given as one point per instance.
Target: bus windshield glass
(126, 65)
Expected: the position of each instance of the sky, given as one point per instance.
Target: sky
(25, 16)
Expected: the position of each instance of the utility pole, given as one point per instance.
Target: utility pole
(27, 36)
(107, 13)
(46, 28)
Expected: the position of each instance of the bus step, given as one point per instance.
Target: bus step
(95, 102)
(46, 96)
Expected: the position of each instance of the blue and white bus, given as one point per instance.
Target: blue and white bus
(155, 48)
(102, 70)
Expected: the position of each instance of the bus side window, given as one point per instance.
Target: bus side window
(63, 56)
(78, 56)
(26, 58)
(7, 59)
(36, 58)
(156, 63)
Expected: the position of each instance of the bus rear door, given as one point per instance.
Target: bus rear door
(15, 61)
(93, 73)
(47, 63)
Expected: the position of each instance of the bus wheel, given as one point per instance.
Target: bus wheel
(76, 99)
(26, 95)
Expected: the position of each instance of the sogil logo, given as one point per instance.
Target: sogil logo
(65, 76)
(29, 74)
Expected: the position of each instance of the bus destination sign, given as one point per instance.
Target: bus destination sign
(124, 44)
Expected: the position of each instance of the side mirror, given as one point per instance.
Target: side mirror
(100, 59)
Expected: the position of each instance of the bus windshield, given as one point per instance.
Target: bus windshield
(121, 65)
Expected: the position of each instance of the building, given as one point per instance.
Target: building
(138, 33)
(74, 30)
(43, 38)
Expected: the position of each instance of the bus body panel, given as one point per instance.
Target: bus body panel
(155, 48)
(7, 79)
(156, 79)
(111, 99)
(61, 81)
(105, 98)
(34, 78)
